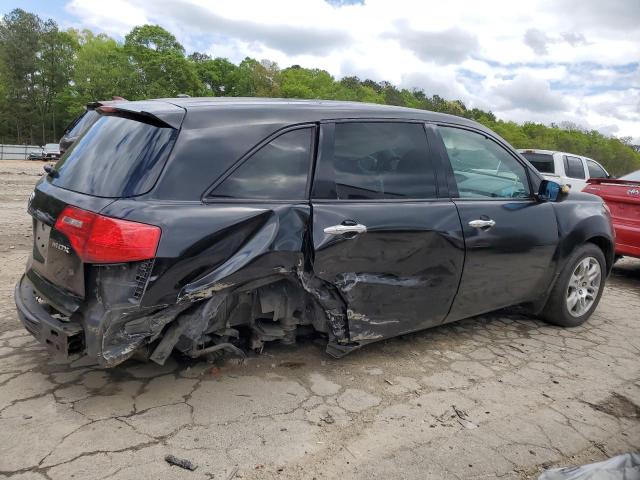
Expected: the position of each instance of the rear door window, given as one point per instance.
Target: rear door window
(595, 170)
(277, 171)
(573, 167)
(380, 160)
(542, 161)
(482, 168)
(116, 157)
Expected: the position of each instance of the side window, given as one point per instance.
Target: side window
(595, 170)
(382, 160)
(278, 171)
(573, 167)
(482, 168)
(543, 162)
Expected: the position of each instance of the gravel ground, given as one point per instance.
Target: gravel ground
(498, 396)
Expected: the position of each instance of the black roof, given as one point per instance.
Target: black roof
(218, 131)
(295, 110)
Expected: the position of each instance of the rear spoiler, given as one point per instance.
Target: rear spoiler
(102, 103)
(156, 113)
(613, 181)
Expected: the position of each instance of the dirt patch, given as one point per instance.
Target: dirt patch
(617, 406)
(292, 365)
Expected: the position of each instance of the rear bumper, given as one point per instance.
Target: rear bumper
(65, 339)
(98, 336)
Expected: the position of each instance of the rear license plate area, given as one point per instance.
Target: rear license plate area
(41, 234)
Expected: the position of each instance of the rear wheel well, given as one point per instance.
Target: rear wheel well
(605, 245)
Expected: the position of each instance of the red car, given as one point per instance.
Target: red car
(622, 195)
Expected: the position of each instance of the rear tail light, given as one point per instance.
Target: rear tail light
(99, 239)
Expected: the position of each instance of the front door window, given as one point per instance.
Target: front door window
(482, 168)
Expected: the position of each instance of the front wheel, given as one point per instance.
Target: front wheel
(578, 289)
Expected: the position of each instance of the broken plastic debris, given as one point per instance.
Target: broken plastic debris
(233, 473)
(180, 462)
(463, 419)
(621, 467)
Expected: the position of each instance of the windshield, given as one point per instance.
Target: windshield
(633, 176)
(542, 161)
(116, 157)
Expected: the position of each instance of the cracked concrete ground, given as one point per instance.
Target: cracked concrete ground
(499, 396)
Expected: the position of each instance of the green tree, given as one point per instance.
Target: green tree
(161, 67)
(102, 70)
(298, 82)
(19, 44)
(352, 88)
(218, 75)
(257, 79)
(36, 61)
(55, 67)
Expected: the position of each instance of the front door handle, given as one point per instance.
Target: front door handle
(341, 229)
(482, 223)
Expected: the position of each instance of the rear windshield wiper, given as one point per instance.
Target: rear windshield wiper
(51, 170)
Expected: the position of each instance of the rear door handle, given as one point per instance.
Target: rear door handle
(341, 229)
(482, 223)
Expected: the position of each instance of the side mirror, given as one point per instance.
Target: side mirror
(552, 191)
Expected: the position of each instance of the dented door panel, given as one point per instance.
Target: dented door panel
(402, 274)
(206, 248)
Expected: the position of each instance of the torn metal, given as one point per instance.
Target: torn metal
(261, 276)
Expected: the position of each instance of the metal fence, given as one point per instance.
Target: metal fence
(17, 152)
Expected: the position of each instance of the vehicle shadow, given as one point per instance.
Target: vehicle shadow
(627, 271)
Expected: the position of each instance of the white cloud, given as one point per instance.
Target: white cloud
(115, 16)
(527, 92)
(446, 47)
(548, 60)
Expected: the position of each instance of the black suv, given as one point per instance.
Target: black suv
(218, 224)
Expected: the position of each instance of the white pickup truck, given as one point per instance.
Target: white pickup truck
(565, 168)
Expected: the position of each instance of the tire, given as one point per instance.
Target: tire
(570, 312)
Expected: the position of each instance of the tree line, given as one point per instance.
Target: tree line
(48, 75)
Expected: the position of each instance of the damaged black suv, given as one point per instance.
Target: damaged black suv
(221, 224)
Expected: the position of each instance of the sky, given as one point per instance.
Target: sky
(540, 60)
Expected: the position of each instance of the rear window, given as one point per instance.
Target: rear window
(595, 170)
(573, 167)
(116, 157)
(542, 161)
(278, 171)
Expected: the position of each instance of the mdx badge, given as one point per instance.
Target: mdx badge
(60, 246)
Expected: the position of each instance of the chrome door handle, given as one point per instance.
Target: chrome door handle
(340, 229)
(482, 223)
